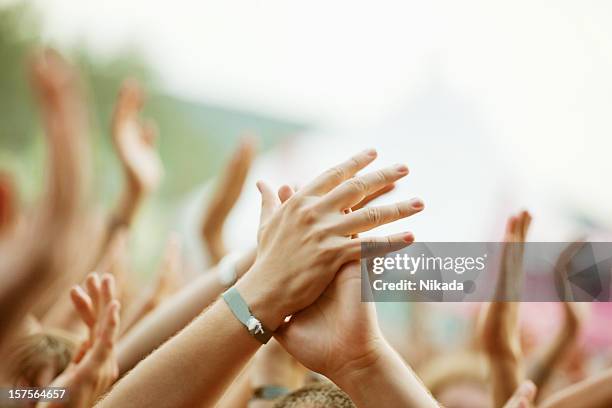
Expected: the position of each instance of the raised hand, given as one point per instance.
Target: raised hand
(94, 367)
(48, 250)
(303, 243)
(227, 191)
(311, 234)
(134, 140)
(499, 331)
(561, 346)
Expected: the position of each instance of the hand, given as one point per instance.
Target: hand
(337, 330)
(511, 269)
(134, 140)
(305, 241)
(224, 197)
(94, 367)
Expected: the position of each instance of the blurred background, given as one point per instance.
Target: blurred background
(495, 106)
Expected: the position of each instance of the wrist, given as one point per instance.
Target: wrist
(264, 301)
(356, 372)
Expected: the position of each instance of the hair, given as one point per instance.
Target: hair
(35, 352)
(316, 395)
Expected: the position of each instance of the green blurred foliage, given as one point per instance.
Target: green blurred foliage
(194, 139)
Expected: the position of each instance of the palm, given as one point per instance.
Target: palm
(334, 330)
(134, 140)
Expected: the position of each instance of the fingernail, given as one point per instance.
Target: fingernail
(401, 168)
(258, 184)
(370, 152)
(409, 238)
(417, 204)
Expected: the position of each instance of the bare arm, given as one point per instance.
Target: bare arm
(40, 254)
(594, 392)
(224, 197)
(172, 315)
(500, 331)
(299, 253)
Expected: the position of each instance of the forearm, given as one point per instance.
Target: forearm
(385, 382)
(171, 316)
(595, 392)
(566, 338)
(502, 347)
(195, 367)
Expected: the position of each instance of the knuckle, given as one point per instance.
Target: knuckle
(358, 184)
(336, 173)
(307, 215)
(373, 215)
(381, 176)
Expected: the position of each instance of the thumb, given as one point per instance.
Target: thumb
(269, 201)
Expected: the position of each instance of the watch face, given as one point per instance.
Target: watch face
(254, 326)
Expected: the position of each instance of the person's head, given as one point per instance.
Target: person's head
(316, 395)
(38, 358)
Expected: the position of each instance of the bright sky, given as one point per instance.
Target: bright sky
(539, 73)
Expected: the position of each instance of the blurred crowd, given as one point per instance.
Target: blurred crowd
(74, 316)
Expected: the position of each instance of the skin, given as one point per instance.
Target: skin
(173, 315)
(500, 332)
(338, 336)
(523, 396)
(562, 346)
(301, 246)
(8, 211)
(94, 367)
(133, 139)
(224, 197)
(594, 392)
(39, 258)
(169, 280)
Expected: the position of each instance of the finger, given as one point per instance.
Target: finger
(372, 217)
(373, 197)
(236, 172)
(107, 290)
(269, 201)
(510, 228)
(92, 284)
(82, 304)
(285, 193)
(337, 174)
(108, 332)
(356, 189)
(376, 246)
(525, 225)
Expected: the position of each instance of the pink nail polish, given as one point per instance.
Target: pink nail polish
(401, 168)
(409, 238)
(417, 204)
